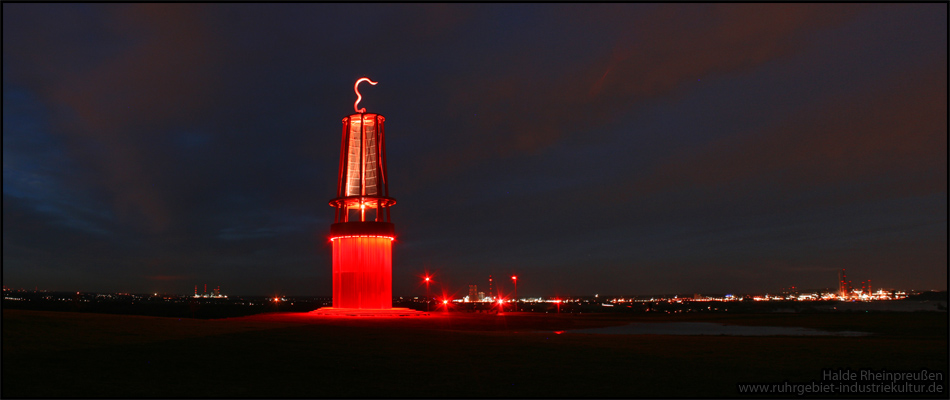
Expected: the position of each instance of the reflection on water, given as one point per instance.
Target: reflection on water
(709, 328)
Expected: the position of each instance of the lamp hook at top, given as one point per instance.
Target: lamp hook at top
(358, 96)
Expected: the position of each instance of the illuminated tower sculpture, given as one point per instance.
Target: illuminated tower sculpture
(362, 233)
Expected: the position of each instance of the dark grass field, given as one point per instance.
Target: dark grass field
(60, 354)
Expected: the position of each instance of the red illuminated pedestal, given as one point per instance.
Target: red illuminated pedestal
(362, 265)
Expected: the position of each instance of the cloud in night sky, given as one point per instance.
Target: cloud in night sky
(608, 148)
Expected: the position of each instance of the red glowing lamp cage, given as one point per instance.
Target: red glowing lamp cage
(362, 179)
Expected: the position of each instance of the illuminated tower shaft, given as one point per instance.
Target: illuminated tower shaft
(362, 233)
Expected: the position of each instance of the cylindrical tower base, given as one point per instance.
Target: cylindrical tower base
(362, 272)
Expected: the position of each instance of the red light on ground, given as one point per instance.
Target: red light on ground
(558, 332)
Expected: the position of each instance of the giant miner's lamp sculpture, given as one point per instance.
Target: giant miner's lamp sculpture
(362, 233)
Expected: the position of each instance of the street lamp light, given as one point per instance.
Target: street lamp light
(427, 292)
(514, 278)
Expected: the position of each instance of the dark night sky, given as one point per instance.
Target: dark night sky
(613, 148)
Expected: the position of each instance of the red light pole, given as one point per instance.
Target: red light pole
(514, 278)
(427, 293)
